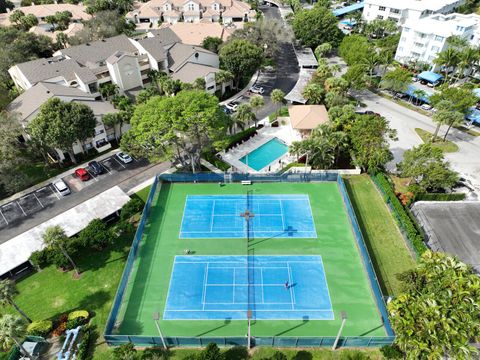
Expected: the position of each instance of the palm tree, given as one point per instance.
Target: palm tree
(370, 62)
(245, 114)
(12, 330)
(55, 237)
(256, 102)
(278, 97)
(467, 58)
(8, 290)
(455, 118)
(314, 94)
(447, 59)
(419, 94)
(223, 77)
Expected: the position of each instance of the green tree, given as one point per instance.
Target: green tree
(8, 291)
(116, 121)
(61, 39)
(277, 96)
(323, 50)
(245, 114)
(446, 116)
(241, 58)
(12, 330)
(343, 117)
(125, 352)
(314, 94)
(256, 102)
(22, 21)
(354, 48)
(316, 26)
(335, 99)
(378, 28)
(211, 352)
(448, 60)
(199, 84)
(212, 43)
(396, 80)
(108, 90)
(356, 76)
(60, 124)
(180, 127)
(467, 58)
(461, 99)
(146, 94)
(428, 169)
(96, 235)
(437, 315)
(4, 5)
(55, 237)
(370, 135)
(336, 85)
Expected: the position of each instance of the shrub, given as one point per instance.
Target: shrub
(40, 258)
(124, 352)
(72, 324)
(132, 207)
(405, 221)
(243, 135)
(440, 197)
(391, 352)
(83, 347)
(83, 314)
(39, 328)
(96, 235)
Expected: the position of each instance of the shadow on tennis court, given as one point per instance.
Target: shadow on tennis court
(304, 322)
(279, 235)
(225, 323)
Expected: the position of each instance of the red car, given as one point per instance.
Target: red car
(82, 174)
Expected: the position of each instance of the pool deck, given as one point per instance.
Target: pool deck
(265, 134)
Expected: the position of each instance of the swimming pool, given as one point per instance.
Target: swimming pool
(265, 154)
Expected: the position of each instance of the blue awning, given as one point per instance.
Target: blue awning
(474, 115)
(476, 92)
(348, 9)
(429, 76)
(411, 92)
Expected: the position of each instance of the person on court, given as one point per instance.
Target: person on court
(286, 285)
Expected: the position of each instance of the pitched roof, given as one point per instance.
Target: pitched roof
(189, 72)
(98, 51)
(42, 11)
(57, 66)
(179, 53)
(194, 33)
(165, 35)
(155, 47)
(29, 102)
(307, 117)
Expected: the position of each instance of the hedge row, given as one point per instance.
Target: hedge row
(243, 135)
(83, 347)
(406, 223)
(440, 197)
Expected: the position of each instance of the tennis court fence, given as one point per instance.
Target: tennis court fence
(116, 316)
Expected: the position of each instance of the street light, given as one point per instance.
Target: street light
(344, 318)
(156, 317)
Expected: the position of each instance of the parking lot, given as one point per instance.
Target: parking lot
(14, 212)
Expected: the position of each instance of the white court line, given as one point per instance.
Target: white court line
(228, 231)
(290, 287)
(281, 212)
(21, 208)
(311, 215)
(272, 285)
(212, 216)
(234, 285)
(230, 310)
(205, 279)
(261, 283)
(38, 200)
(4, 218)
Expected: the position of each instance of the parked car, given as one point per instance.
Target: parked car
(232, 105)
(367, 112)
(226, 110)
(435, 84)
(423, 82)
(477, 106)
(82, 174)
(95, 168)
(257, 89)
(61, 187)
(124, 157)
(426, 107)
(347, 27)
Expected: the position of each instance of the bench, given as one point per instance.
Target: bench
(246, 182)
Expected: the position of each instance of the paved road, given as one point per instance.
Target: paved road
(283, 77)
(127, 178)
(466, 161)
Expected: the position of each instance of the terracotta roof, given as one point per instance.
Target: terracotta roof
(194, 33)
(307, 117)
(42, 11)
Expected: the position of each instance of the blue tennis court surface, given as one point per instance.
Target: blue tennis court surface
(218, 216)
(217, 288)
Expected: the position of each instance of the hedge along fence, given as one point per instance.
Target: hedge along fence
(404, 219)
(440, 197)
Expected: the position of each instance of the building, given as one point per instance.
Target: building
(305, 118)
(193, 11)
(118, 60)
(400, 11)
(28, 104)
(422, 39)
(195, 33)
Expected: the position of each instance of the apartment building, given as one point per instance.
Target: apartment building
(401, 11)
(422, 39)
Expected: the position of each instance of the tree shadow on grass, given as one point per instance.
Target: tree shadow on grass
(302, 355)
(94, 301)
(236, 353)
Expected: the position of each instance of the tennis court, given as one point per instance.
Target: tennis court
(226, 287)
(220, 216)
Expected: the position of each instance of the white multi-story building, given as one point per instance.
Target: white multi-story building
(422, 39)
(401, 10)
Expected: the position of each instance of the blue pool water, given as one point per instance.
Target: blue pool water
(265, 154)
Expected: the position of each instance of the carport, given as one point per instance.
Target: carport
(295, 95)
(411, 91)
(17, 250)
(348, 9)
(430, 76)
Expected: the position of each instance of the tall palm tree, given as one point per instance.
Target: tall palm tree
(8, 290)
(245, 114)
(278, 97)
(419, 94)
(467, 59)
(12, 330)
(448, 59)
(55, 237)
(223, 77)
(314, 94)
(371, 62)
(256, 102)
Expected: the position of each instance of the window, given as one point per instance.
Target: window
(406, 29)
(418, 44)
(380, 17)
(435, 48)
(421, 35)
(381, 8)
(403, 39)
(460, 28)
(415, 55)
(395, 11)
(439, 38)
(211, 87)
(393, 19)
(400, 49)
(191, 7)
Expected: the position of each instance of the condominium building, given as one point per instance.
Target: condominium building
(401, 10)
(422, 39)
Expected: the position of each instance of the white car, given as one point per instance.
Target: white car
(426, 107)
(257, 89)
(233, 105)
(61, 187)
(124, 157)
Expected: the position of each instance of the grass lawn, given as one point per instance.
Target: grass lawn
(143, 194)
(446, 146)
(385, 243)
(401, 184)
(50, 292)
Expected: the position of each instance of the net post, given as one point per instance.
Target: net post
(249, 334)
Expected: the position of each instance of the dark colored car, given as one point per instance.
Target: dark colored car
(95, 168)
(82, 174)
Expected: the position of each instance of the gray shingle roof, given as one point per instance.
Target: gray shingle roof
(155, 47)
(166, 35)
(45, 69)
(98, 51)
(189, 72)
(179, 53)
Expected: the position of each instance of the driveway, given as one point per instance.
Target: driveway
(466, 161)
